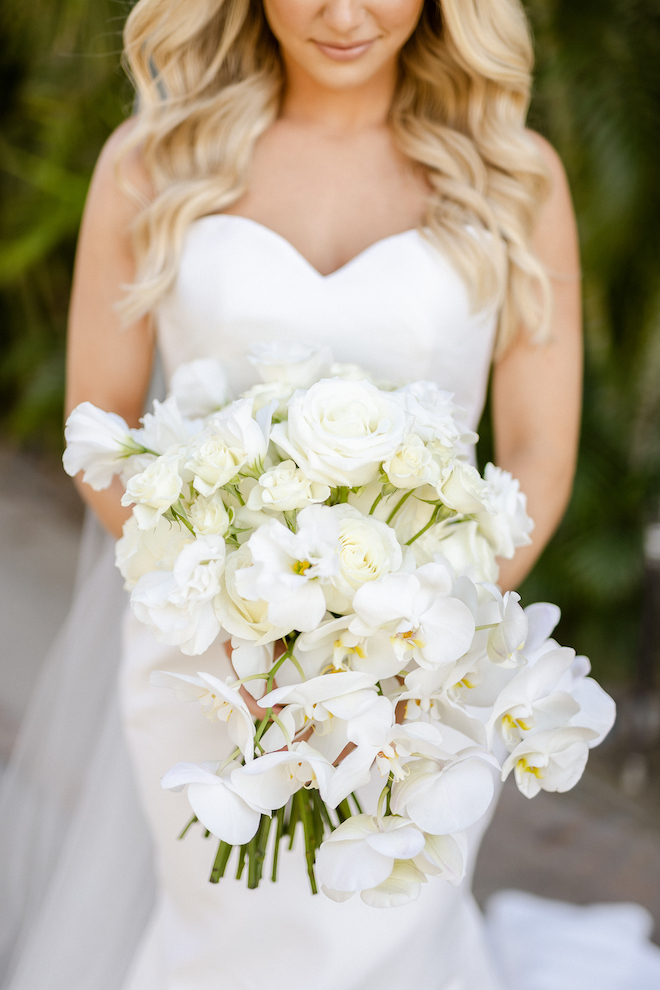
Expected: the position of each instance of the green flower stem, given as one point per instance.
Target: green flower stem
(220, 862)
(262, 843)
(323, 811)
(398, 505)
(179, 517)
(294, 818)
(432, 521)
(241, 862)
(278, 838)
(343, 810)
(191, 822)
(357, 803)
(310, 843)
(375, 503)
(252, 881)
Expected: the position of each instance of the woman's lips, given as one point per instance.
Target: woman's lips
(344, 53)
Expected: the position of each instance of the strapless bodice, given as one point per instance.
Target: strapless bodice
(398, 309)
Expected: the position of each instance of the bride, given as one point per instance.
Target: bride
(349, 173)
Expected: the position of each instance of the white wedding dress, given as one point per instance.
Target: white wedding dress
(93, 918)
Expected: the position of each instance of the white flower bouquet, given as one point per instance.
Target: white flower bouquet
(335, 532)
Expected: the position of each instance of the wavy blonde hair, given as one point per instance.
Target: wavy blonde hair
(209, 76)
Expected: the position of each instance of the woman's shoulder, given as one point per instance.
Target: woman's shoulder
(121, 179)
(551, 160)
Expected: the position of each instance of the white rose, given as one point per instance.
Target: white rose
(179, 605)
(368, 549)
(468, 552)
(339, 432)
(139, 551)
(508, 526)
(209, 516)
(412, 465)
(284, 488)
(290, 363)
(199, 387)
(434, 414)
(463, 489)
(213, 464)
(154, 490)
(241, 616)
(265, 392)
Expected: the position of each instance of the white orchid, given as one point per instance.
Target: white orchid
(154, 490)
(507, 636)
(443, 695)
(285, 488)
(219, 701)
(271, 779)
(597, 708)
(446, 793)
(199, 387)
(332, 644)
(339, 432)
(179, 605)
(250, 660)
(288, 568)
(444, 856)
(290, 363)
(361, 854)
(215, 801)
(552, 760)
(97, 443)
(425, 622)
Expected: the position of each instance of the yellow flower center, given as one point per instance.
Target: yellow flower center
(301, 566)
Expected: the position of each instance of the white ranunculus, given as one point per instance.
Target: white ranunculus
(290, 362)
(214, 800)
(213, 464)
(265, 394)
(219, 701)
(241, 616)
(154, 490)
(284, 488)
(552, 760)
(507, 526)
(209, 516)
(425, 622)
(199, 387)
(339, 432)
(469, 553)
(179, 606)
(445, 795)
(165, 427)
(368, 549)
(463, 490)
(412, 465)
(434, 414)
(242, 427)
(289, 568)
(360, 854)
(98, 442)
(139, 551)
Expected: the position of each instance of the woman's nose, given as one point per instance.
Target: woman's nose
(343, 16)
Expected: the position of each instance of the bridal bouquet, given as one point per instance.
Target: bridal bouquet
(333, 529)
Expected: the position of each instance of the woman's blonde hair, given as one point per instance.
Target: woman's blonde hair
(209, 76)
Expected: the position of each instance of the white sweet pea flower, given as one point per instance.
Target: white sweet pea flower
(179, 606)
(361, 854)
(445, 794)
(284, 488)
(424, 621)
(165, 427)
(209, 516)
(139, 551)
(98, 443)
(434, 414)
(368, 549)
(552, 760)
(290, 362)
(412, 465)
(462, 489)
(239, 426)
(532, 700)
(214, 800)
(469, 553)
(199, 387)
(507, 525)
(288, 568)
(271, 779)
(339, 432)
(244, 617)
(219, 701)
(154, 490)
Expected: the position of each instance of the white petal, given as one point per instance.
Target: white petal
(351, 865)
(224, 813)
(400, 843)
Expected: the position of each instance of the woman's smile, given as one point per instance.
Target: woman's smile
(344, 52)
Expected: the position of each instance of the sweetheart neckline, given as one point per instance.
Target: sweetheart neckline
(301, 257)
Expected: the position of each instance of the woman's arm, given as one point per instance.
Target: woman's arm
(536, 391)
(108, 364)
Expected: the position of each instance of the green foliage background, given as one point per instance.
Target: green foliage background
(597, 98)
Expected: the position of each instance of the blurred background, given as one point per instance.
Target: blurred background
(597, 99)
